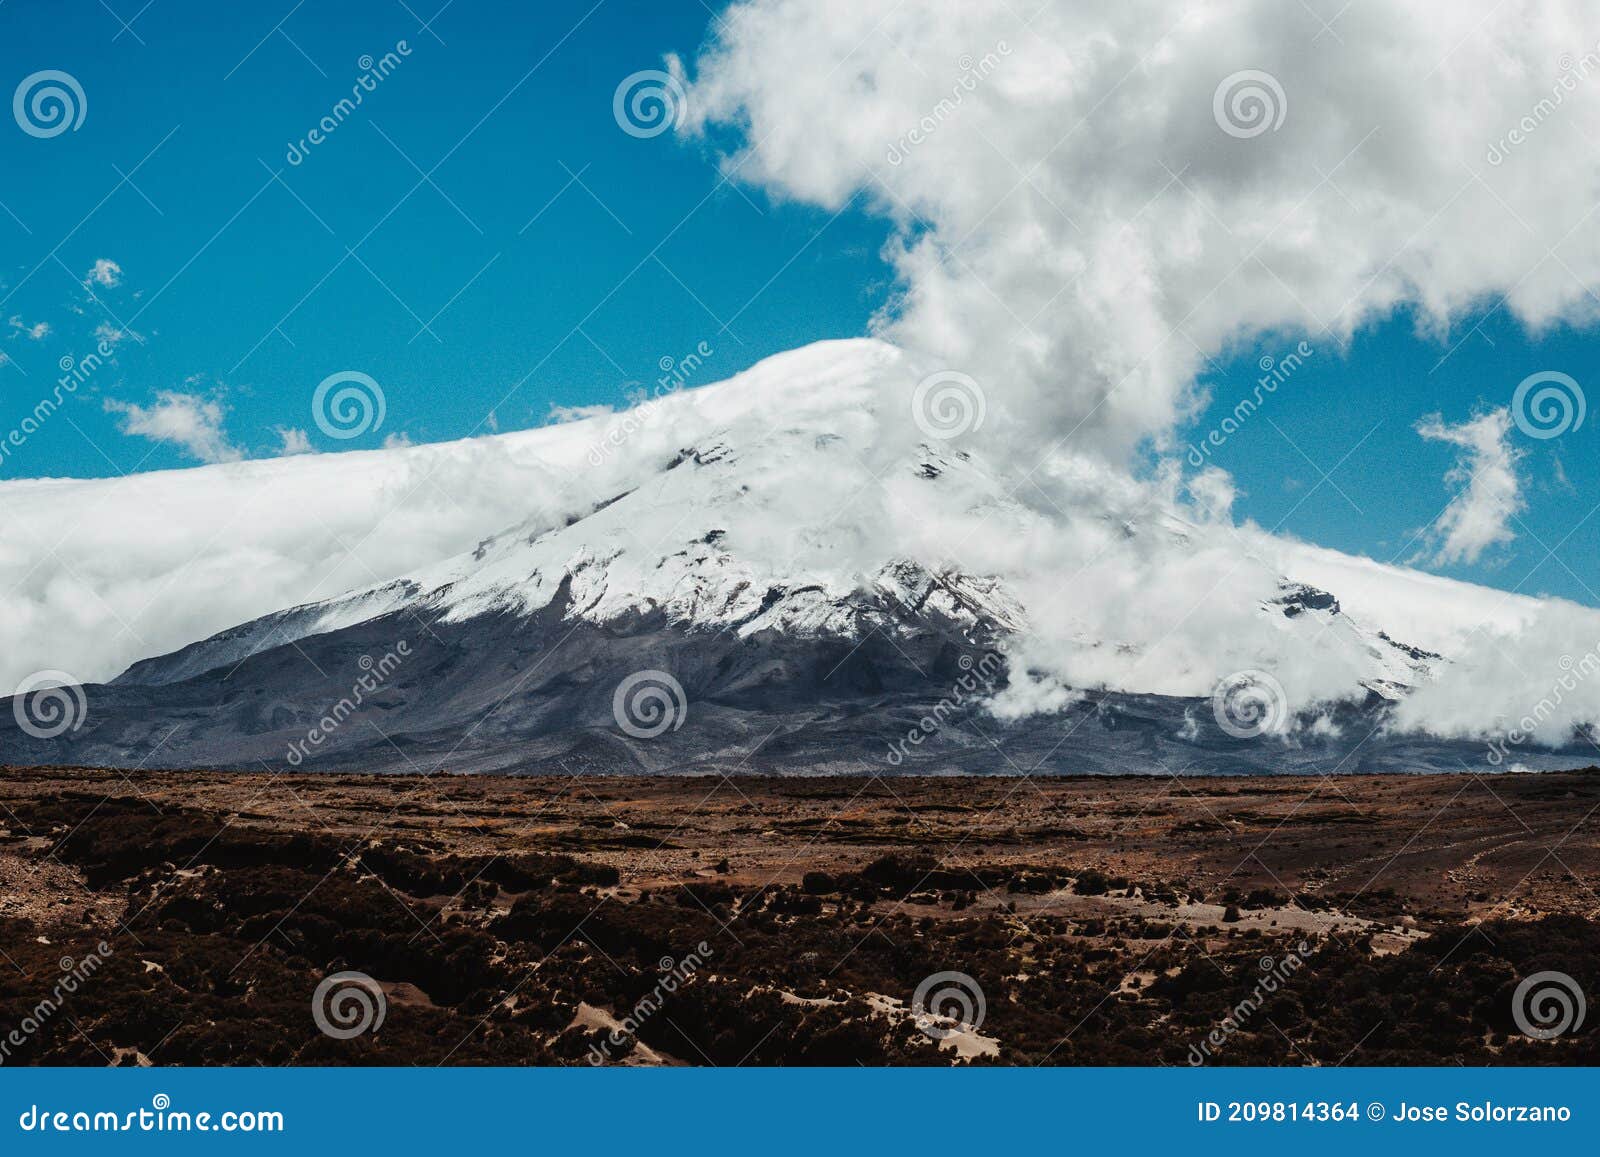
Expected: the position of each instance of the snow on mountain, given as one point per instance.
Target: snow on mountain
(799, 499)
(785, 517)
(100, 573)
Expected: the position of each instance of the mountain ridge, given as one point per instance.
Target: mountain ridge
(811, 555)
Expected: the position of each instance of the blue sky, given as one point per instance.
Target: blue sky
(229, 276)
(547, 258)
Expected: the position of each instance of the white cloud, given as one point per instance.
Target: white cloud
(192, 423)
(560, 415)
(1490, 494)
(35, 331)
(109, 335)
(1079, 233)
(396, 440)
(105, 272)
(293, 441)
(1214, 492)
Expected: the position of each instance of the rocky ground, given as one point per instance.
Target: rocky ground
(190, 918)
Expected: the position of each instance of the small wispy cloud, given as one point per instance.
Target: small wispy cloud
(293, 441)
(1489, 494)
(561, 415)
(35, 331)
(397, 440)
(110, 335)
(192, 423)
(105, 272)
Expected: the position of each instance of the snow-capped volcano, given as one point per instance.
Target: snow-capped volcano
(794, 545)
(803, 529)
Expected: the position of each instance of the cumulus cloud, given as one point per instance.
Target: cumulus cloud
(293, 440)
(104, 272)
(1086, 201)
(188, 421)
(1082, 210)
(1490, 491)
(397, 440)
